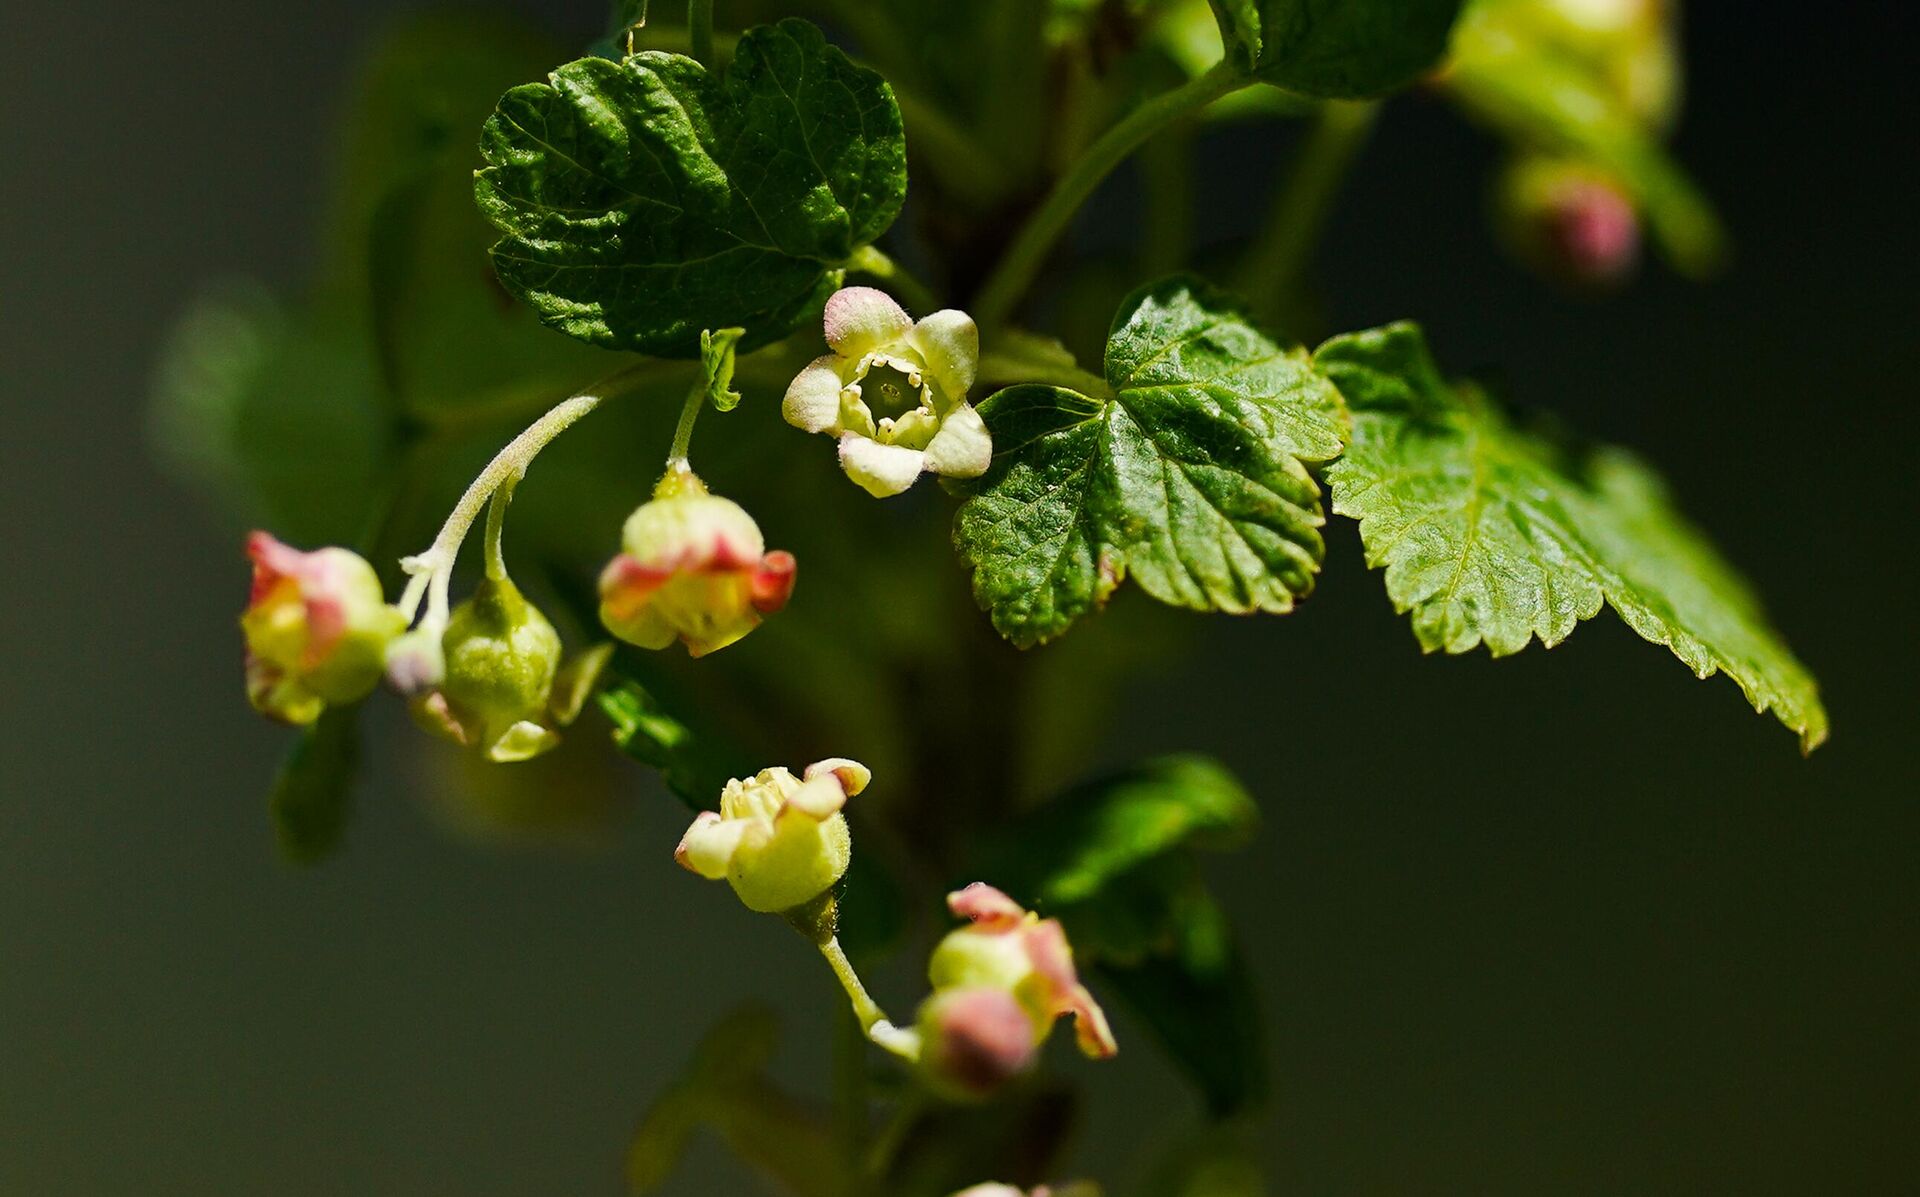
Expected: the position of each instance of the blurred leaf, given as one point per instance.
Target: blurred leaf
(646, 200)
(1017, 1139)
(1536, 90)
(694, 768)
(1113, 859)
(1491, 535)
(1217, 1162)
(1072, 849)
(724, 1087)
(312, 797)
(276, 413)
(717, 364)
(1189, 477)
(1345, 49)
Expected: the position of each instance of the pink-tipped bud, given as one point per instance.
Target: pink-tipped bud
(973, 1041)
(692, 567)
(1572, 221)
(316, 626)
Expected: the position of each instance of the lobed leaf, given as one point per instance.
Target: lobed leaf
(1491, 535)
(647, 200)
(1188, 477)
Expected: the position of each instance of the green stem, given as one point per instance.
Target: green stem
(1271, 270)
(683, 431)
(1018, 266)
(496, 560)
(877, 265)
(700, 31)
(873, 1020)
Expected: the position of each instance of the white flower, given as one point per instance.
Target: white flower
(779, 840)
(894, 392)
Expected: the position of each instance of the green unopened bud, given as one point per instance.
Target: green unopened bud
(317, 628)
(779, 840)
(501, 658)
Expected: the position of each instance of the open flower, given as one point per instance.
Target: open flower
(779, 840)
(894, 392)
(999, 984)
(692, 566)
(317, 628)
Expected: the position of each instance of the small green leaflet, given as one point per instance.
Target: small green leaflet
(1189, 476)
(312, 797)
(717, 350)
(1336, 49)
(1491, 535)
(646, 200)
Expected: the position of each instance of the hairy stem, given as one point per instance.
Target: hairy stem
(496, 559)
(1018, 266)
(683, 431)
(1271, 270)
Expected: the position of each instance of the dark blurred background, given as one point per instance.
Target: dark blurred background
(1566, 923)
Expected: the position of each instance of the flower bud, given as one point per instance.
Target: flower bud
(1571, 220)
(894, 393)
(779, 840)
(316, 626)
(693, 566)
(1024, 959)
(501, 657)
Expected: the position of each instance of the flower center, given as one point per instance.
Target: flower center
(889, 390)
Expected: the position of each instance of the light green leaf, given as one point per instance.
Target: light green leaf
(643, 729)
(1491, 535)
(646, 200)
(1344, 49)
(716, 366)
(1189, 477)
(1550, 100)
(312, 797)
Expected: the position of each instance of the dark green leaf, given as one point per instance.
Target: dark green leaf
(1491, 535)
(644, 201)
(1189, 477)
(1347, 49)
(1240, 30)
(312, 797)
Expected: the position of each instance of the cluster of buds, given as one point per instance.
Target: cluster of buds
(692, 567)
(781, 841)
(894, 393)
(999, 985)
(317, 628)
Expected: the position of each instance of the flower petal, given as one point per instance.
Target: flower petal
(860, 320)
(949, 342)
(985, 907)
(770, 583)
(521, 742)
(963, 448)
(813, 397)
(709, 844)
(852, 775)
(880, 470)
(819, 798)
(1053, 959)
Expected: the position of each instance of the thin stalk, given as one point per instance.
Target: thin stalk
(683, 431)
(1017, 267)
(1271, 269)
(872, 262)
(700, 31)
(873, 1020)
(496, 559)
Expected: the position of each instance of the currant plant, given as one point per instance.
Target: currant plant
(686, 218)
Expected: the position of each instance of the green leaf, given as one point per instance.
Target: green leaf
(646, 200)
(1491, 535)
(1189, 477)
(693, 768)
(311, 799)
(716, 366)
(1551, 101)
(1338, 49)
